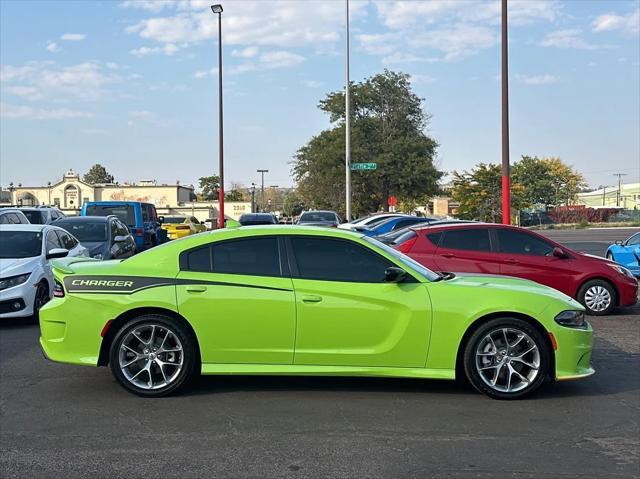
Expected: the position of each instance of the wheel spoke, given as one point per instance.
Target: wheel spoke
(520, 356)
(164, 340)
(526, 363)
(137, 358)
(130, 349)
(139, 338)
(520, 338)
(153, 334)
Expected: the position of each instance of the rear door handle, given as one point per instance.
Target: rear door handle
(196, 289)
(311, 298)
(448, 255)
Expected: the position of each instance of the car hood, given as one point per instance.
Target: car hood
(96, 247)
(13, 267)
(510, 283)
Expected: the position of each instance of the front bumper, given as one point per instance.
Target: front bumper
(573, 355)
(24, 294)
(628, 290)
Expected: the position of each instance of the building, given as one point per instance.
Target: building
(70, 193)
(629, 197)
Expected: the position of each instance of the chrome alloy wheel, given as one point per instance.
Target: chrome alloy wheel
(150, 356)
(507, 360)
(597, 298)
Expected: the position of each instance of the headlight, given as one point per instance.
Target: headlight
(622, 270)
(571, 319)
(97, 256)
(13, 281)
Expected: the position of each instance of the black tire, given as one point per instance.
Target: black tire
(610, 256)
(42, 298)
(181, 336)
(592, 286)
(476, 357)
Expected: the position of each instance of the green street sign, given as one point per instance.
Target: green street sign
(364, 166)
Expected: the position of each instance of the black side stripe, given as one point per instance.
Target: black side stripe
(133, 284)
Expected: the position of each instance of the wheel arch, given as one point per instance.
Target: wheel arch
(117, 323)
(504, 314)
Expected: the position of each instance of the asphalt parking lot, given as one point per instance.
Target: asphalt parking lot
(66, 421)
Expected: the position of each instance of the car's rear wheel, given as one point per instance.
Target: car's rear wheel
(598, 297)
(506, 358)
(152, 356)
(42, 298)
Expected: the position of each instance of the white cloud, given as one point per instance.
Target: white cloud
(11, 111)
(137, 117)
(27, 92)
(538, 79)
(378, 44)
(422, 79)
(457, 42)
(312, 83)
(200, 74)
(248, 52)
(568, 38)
(403, 57)
(154, 6)
(167, 49)
(629, 24)
(73, 37)
(52, 47)
(96, 131)
(280, 59)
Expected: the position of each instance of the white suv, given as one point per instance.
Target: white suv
(26, 281)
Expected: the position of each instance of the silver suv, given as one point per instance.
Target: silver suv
(42, 215)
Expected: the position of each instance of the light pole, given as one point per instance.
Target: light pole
(217, 9)
(506, 184)
(347, 118)
(262, 172)
(253, 197)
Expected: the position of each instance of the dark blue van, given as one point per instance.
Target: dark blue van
(141, 218)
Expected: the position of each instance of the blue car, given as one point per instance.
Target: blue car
(393, 224)
(141, 218)
(627, 253)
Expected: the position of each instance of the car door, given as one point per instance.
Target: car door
(239, 296)
(347, 315)
(70, 243)
(115, 247)
(466, 250)
(127, 247)
(525, 255)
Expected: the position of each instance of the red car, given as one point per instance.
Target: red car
(600, 285)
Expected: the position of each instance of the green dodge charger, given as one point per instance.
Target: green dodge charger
(292, 300)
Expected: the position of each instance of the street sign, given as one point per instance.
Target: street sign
(364, 166)
(392, 201)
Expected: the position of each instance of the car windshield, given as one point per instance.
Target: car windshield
(174, 220)
(124, 213)
(257, 219)
(85, 231)
(404, 259)
(20, 244)
(317, 216)
(35, 217)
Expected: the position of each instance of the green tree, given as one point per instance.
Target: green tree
(209, 186)
(547, 181)
(387, 128)
(234, 194)
(97, 174)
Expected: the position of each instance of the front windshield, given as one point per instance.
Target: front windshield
(317, 216)
(404, 259)
(85, 232)
(20, 244)
(174, 220)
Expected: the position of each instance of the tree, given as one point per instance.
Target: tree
(209, 186)
(234, 194)
(547, 181)
(97, 174)
(387, 128)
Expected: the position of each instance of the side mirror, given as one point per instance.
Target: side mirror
(394, 275)
(160, 219)
(559, 253)
(119, 239)
(619, 242)
(57, 253)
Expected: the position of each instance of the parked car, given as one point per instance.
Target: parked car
(369, 220)
(599, 284)
(397, 236)
(297, 300)
(181, 226)
(12, 216)
(252, 219)
(141, 219)
(42, 215)
(106, 237)
(393, 224)
(319, 218)
(627, 253)
(26, 281)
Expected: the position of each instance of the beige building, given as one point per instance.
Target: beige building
(70, 193)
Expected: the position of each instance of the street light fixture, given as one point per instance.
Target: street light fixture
(217, 9)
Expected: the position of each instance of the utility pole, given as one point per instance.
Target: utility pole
(262, 172)
(253, 197)
(347, 119)
(506, 184)
(619, 193)
(217, 9)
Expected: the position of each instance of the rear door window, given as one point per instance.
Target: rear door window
(471, 239)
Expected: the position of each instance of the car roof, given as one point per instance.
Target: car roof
(38, 208)
(320, 211)
(81, 219)
(9, 210)
(23, 227)
(461, 224)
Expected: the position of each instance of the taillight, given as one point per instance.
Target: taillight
(58, 290)
(182, 227)
(137, 231)
(407, 245)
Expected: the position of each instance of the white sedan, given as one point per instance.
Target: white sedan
(26, 281)
(370, 221)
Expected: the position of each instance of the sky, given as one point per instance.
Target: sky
(132, 84)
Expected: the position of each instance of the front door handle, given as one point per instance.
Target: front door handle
(511, 261)
(196, 289)
(448, 255)
(311, 298)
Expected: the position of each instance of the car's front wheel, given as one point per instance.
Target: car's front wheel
(42, 298)
(506, 358)
(152, 355)
(598, 297)
(610, 256)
